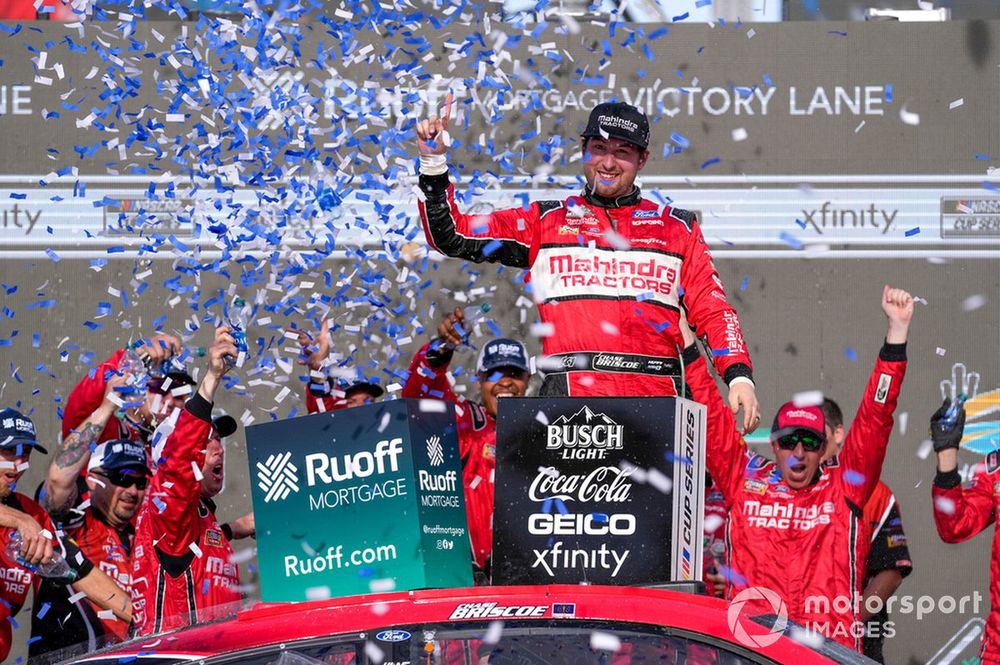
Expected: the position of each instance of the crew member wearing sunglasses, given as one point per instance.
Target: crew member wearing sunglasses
(797, 528)
(117, 476)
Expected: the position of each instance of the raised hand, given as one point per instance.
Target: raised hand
(432, 132)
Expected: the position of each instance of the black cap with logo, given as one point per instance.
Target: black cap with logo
(618, 120)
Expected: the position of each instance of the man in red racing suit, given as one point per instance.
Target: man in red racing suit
(796, 528)
(503, 371)
(608, 267)
(961, 513)
(182, 568)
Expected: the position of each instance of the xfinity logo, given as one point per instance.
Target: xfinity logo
(840, 218)
(584, 429)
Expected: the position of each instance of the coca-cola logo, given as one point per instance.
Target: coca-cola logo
(603, 483)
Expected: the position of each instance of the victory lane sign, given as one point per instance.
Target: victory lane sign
(347, 500)
(605, 490)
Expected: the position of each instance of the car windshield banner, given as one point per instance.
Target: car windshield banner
(359, 500)
(603, 490)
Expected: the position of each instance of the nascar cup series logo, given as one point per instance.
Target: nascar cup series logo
(750, 603)
(584, 435)
(277, 477)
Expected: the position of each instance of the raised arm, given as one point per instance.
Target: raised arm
(960, 513)
(60, 488)
(866, 442)
(428, 377)
(500, 236)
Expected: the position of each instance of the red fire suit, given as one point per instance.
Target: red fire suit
(609, 276)
(476, 441)
(807, 545)
(182, 569)
(16, 581)
(88, 395)
(64, 623)
(960, 514)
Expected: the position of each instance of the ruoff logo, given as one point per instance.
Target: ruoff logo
(435, 451)
(277, 477)
(584, 429)
(739, 617)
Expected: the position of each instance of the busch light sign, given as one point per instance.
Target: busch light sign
(357, 500)
(604, 490)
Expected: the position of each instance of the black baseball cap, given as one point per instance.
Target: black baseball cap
(17, 430)
(372, 389)
(224, 425)
(618, 120)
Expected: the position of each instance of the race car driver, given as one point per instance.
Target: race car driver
(796, 527)
(608, 267)
(961, 513)
(503, 371)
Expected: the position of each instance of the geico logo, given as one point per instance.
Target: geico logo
(584, 436)
(331, 469)
(542, 524)
(437, 482)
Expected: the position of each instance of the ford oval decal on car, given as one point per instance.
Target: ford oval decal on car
(393, 636)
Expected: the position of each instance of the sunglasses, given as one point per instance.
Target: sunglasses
(810, 442)
(125, 478)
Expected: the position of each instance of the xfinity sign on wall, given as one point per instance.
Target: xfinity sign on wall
(601, 490)
(357, 499)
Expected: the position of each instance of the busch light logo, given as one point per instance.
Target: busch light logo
(435, 451)
(277, 477)
(585, 431)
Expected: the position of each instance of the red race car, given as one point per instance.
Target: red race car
(558, 624)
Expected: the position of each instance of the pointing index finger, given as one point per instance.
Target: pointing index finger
(446, 113)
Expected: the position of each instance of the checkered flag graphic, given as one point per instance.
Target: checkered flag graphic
(276, 477)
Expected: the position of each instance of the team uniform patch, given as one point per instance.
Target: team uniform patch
(213, 538)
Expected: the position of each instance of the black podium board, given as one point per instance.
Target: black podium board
(603, 490)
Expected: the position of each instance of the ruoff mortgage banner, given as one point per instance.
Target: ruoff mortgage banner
(360, 499)
(605, 490)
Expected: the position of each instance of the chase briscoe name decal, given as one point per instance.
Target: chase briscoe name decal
(494, 611)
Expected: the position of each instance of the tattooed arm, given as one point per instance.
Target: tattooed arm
(60, 490)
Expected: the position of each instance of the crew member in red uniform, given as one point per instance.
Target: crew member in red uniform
(117, 480)
(795, 527)
(323, 392)
(962, 513)
(160, 397)
(503, 371)
(608, 267)
(39, 545)
(182, 572)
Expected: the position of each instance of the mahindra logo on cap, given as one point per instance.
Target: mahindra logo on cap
(801, 413)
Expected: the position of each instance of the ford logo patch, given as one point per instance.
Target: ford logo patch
(393, 636)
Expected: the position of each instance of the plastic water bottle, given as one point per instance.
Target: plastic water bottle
(239, 317)
(134, 370)
(951, 415)
(58, 568)
(472, 315)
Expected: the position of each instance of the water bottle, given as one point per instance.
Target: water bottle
(58, 568)
(472, 315)
(134, 370)
(951, 415)
(239, 317)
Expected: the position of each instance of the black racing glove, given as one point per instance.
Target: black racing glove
(944, 434)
